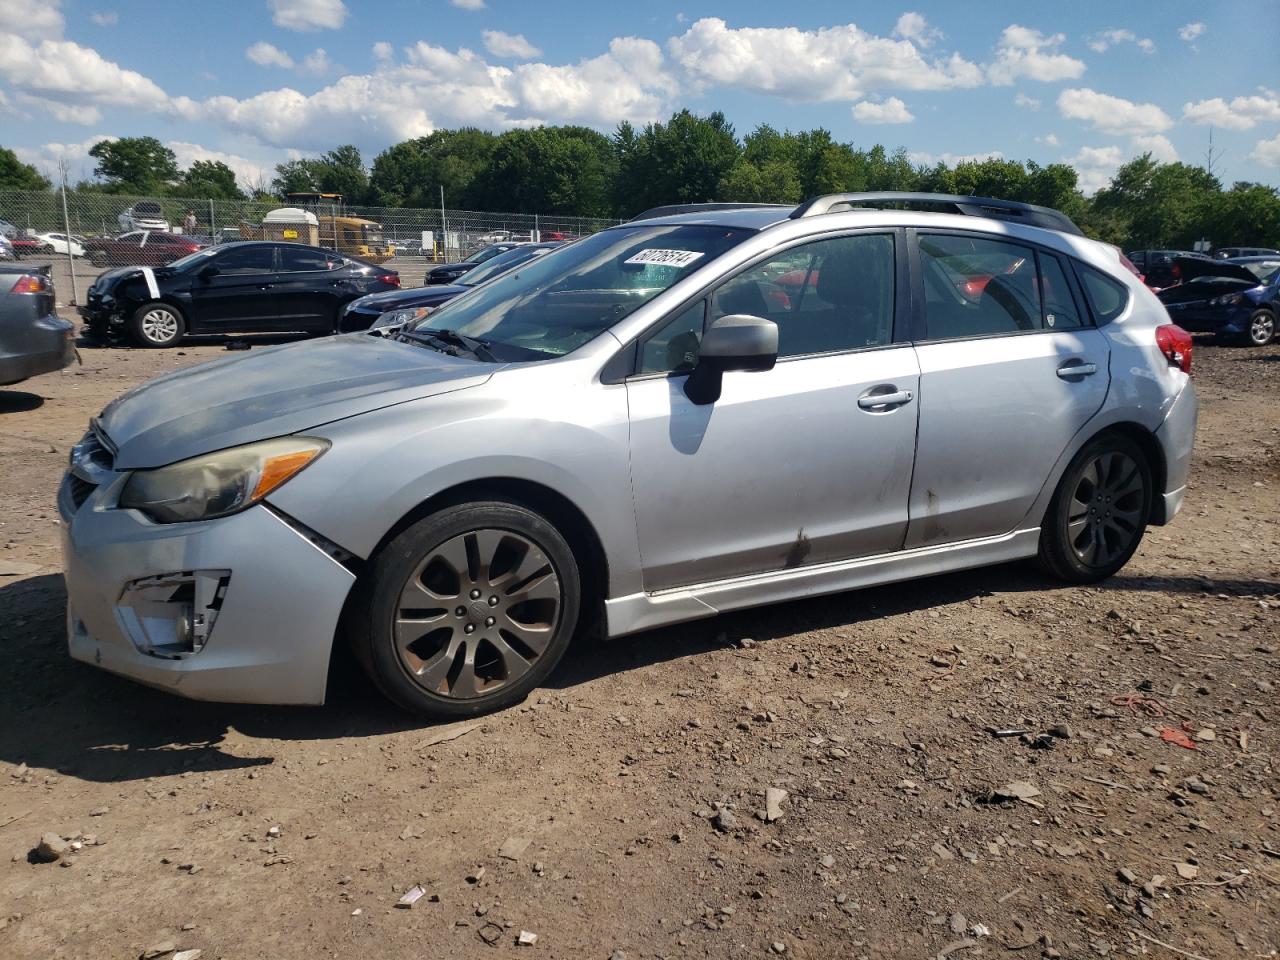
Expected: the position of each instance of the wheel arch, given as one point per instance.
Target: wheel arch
(565, 515)
(1146, 441)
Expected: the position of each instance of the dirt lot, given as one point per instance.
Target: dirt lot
(873, 710)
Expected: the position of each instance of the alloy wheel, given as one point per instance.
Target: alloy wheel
(1105, 514)
(1262, 327)
(159, 325)
(477, 613)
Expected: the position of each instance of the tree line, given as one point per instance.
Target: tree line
(578, 171)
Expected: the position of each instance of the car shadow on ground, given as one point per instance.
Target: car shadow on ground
(199, 340)
(73, 719)
(19, 401)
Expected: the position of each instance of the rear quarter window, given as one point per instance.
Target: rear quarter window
(1107, 298)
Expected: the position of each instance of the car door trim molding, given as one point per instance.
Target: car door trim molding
(646, 611)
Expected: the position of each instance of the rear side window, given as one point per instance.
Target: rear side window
(306, 259)
(1107, 298)
(976, 287)
(1060, 311)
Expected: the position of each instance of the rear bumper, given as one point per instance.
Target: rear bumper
(1176, 437)
(48, 346)
(276, 615)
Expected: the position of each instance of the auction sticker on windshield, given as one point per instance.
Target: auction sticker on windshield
(665, 258)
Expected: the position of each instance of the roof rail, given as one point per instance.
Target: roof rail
(672, 209)
(1011, 210)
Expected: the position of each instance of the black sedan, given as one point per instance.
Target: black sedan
(33, 338)
(449, 272)
(251, 287)
(408, 305)
(1236, 299)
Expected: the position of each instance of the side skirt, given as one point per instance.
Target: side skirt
(645, 611)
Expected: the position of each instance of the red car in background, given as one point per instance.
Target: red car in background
(142, 248)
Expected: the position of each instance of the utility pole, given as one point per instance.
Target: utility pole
(444, 228)
(66, 231)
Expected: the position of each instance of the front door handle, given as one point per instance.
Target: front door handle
(1077, 368)
(880, 402)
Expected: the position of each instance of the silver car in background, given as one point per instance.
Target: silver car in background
(700, 410)
(33, 338)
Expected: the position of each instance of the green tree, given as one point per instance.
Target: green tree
(209, 178)
(682, 161)
(341, 170)
(295, 176)
(137, 165)
(16, 175)
(547, 170)
(411, 173)
(774, 181)
(1247, 214)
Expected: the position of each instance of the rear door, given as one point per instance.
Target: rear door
(309, 288)
(239, 296)
(1010, 370)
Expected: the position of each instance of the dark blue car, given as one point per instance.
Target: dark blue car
(417, 302)
(1236, 299)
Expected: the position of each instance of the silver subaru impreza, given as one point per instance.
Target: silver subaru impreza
(702, 409)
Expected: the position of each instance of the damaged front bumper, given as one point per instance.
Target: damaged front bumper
(240, 609)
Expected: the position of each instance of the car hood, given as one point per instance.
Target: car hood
(110, 278)
(413, 297)
(273, 392)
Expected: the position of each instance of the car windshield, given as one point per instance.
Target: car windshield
(191, 259)
(1264, 270)
(488, 253)
(500, 264)
(553, 305)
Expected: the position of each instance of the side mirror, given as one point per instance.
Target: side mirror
(736, 342)
(209, 270)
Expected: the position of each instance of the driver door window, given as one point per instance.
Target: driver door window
(246, 261)
(828, 296)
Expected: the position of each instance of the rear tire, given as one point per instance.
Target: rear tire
(467, 610)
(157, 325)
(1099, 512)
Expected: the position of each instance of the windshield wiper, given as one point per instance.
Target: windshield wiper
(459, 341)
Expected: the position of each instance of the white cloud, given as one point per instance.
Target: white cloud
(308, 14)
(1110, 114)
(913, 26)
(1242, 113)
(1100, 42)
(1267, 152)
(468, 4)
(36, 19)
(268, 55)
(1191, 31)
(316, 62)
(922, 158)
(1022, 100)
(891, 110)
(83, 115)
(1024, 52)
(509, 45)
(830, 63)
(1157, 145)
(47, 157)
(1049, 140)
(65, 71)
(106, 18)
(1095, 166)
(247, 172)
(383, 50)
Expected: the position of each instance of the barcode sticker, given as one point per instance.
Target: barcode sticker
(666, 258)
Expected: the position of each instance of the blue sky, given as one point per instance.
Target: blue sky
(253, 82)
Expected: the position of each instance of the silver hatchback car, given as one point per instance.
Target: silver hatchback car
(703, 409)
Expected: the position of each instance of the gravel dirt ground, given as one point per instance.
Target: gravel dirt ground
(621, 810)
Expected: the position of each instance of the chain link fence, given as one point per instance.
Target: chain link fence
(99, 231)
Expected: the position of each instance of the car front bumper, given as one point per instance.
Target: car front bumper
(1199, 317)
(265, 600)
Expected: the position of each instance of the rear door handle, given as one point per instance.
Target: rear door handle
(880, 402)
(1077, 368)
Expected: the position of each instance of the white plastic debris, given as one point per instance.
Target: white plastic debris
(411, 896)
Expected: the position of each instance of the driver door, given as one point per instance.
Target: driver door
(793, 466)
(239, 295)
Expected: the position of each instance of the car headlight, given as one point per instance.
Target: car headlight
(398, 318)
(1227, 300)
(221, 483)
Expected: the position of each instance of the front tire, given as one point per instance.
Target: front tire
(468, 610)
(1099, 512)
(1260, 328)
(157, 325)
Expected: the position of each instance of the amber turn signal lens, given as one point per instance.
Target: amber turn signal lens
(279, 469)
